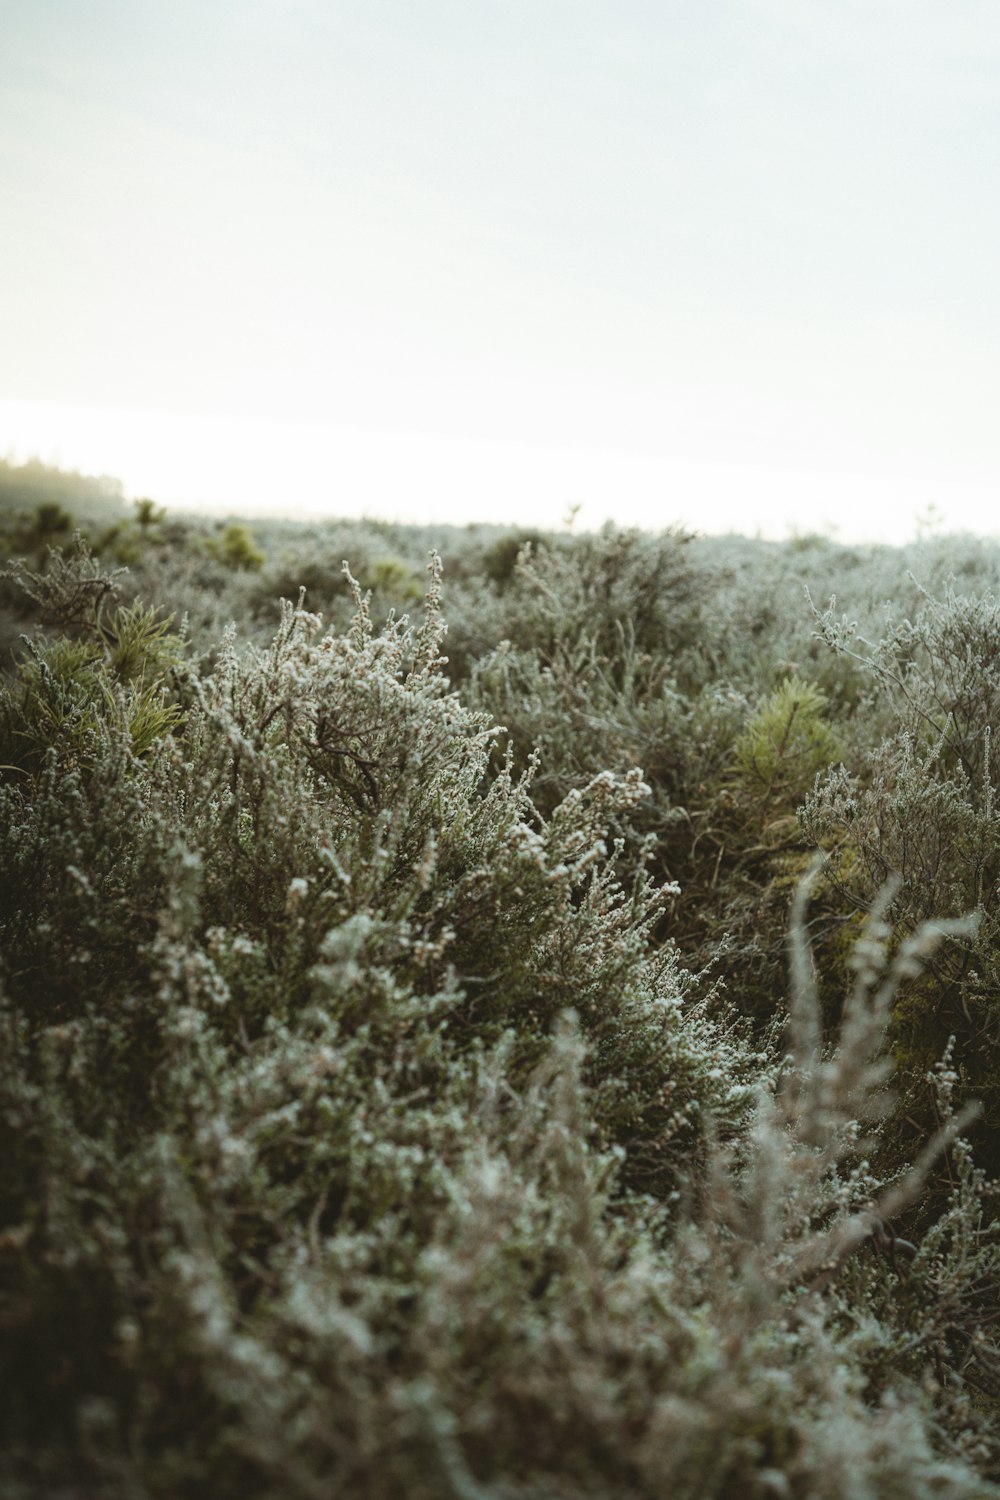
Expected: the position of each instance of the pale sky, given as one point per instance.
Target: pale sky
(711, 261)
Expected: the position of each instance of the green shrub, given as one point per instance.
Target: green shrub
(500, 558)
(392, 579)
(786, 744)
(236, 548)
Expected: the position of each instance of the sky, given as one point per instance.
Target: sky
(729, 263)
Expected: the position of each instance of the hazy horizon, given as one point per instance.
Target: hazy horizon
(308, 472)
(667, 263)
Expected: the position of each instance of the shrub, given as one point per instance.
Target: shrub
(236, 548)
(786, 744)
(362, 1131)
(500, 558)
(924, 808)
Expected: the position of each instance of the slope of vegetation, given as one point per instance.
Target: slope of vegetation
(518, 1027)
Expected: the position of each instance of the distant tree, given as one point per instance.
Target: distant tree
(148, 513)
(23, 486)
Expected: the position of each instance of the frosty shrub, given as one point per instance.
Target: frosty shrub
(362, 1133)
(602, 669)
(588, 585)
(924, 808)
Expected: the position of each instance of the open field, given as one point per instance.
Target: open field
(519, 1019)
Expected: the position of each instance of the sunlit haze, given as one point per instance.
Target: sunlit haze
(728, 265)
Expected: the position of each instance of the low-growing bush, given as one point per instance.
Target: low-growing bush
(370, 1125)
(923, 807)
(235, 547)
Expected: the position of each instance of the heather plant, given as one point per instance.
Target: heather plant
(313, 562)
(313, 929)
(70, 592)
(500, 558)
(339, 1259)
(366, 1129)
(727, 761)
(924, 807)
(589, 585)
